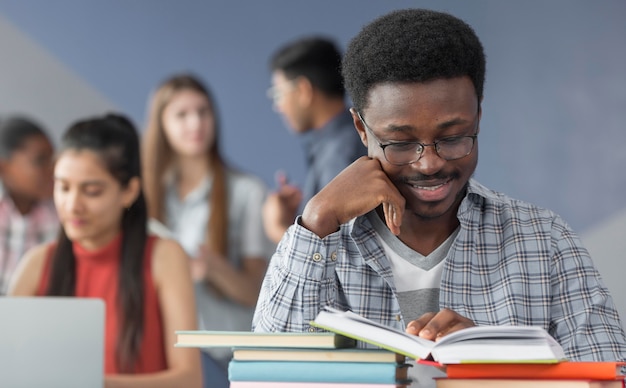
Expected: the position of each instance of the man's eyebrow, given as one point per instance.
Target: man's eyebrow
(452, 123)
(408, 128)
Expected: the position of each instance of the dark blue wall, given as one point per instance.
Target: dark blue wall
(554, 114)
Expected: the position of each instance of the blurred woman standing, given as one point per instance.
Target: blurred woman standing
(213, 210)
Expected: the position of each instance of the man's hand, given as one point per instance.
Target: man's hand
(280, 207)
(359, 188)
(433, 326)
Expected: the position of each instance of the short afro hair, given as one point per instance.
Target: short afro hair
(412, 45)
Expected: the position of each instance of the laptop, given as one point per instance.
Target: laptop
(51, 342)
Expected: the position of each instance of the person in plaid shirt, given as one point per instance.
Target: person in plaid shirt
(406, 237)
(27, 214)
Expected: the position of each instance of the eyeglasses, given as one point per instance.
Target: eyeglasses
(277, 92)
(402, 153)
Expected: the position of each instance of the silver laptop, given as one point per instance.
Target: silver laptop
(51, 342)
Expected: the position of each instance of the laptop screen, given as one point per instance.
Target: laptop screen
(51, 342)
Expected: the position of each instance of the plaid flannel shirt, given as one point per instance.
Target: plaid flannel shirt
(511, 263)
(19, 233)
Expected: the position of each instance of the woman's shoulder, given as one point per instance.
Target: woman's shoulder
(26, 278)
(167, 249)
(167, 256)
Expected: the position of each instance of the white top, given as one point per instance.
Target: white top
(416, 277)
(187, 220)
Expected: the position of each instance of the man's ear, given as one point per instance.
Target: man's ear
(305, 91)
(358, 125)
(131, 192)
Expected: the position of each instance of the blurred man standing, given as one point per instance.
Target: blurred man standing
(307, 90)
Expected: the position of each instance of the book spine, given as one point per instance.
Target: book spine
(566, 370)
(288, 384)
(329, 372)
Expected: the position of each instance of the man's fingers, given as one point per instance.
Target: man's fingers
(444, 322)
(415, 326)
(280, 177)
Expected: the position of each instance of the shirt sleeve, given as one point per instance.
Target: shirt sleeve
(300, 280)
(584, 317)
(336, 156)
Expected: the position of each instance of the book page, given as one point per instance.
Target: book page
(355, 326)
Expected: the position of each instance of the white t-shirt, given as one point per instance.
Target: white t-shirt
(187, 220)
(417, 277)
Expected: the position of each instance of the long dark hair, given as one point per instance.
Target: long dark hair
(114, 138)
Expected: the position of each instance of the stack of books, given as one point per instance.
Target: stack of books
(483, 356)
(301, 360)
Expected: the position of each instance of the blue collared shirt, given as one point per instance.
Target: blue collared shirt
(328, 151)
(511, 263)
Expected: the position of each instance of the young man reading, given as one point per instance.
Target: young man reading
(406, 237)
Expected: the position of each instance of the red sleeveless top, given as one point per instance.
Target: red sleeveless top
(97, 274)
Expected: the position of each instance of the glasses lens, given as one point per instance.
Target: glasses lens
(403, 153)
(272, 93)
(448, 149)
(277, 92)
(455, 148)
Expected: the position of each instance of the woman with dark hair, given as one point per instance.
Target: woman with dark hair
(104, 250)
(27, 214)
(213, 210)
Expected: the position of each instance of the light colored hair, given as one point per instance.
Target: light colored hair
(158, 154)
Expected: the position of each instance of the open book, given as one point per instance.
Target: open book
(478, 344)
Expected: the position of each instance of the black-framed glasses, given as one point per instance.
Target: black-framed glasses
(407, 152)
(276, 92)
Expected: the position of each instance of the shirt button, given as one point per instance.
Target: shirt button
(333, 256)
(398, 318)
(317, 257)
(311, 330)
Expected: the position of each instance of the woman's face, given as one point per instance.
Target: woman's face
(189, 123)
(89, 200)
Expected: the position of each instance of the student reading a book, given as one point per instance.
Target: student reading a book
(211, 208)
(406, 236)
(104, 251)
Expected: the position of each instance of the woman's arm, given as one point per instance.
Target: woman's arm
(240, 285)
(25, 279)
(174, 286)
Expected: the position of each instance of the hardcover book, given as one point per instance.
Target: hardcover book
(278, 384)
(230, 339)
(314, 371)
(527, 383)
(478, 344)
(302, 354)
(599, 370)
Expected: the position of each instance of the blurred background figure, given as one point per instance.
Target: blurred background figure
(307, 90)
(104, 251)
(213, 210)
(27, 214)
